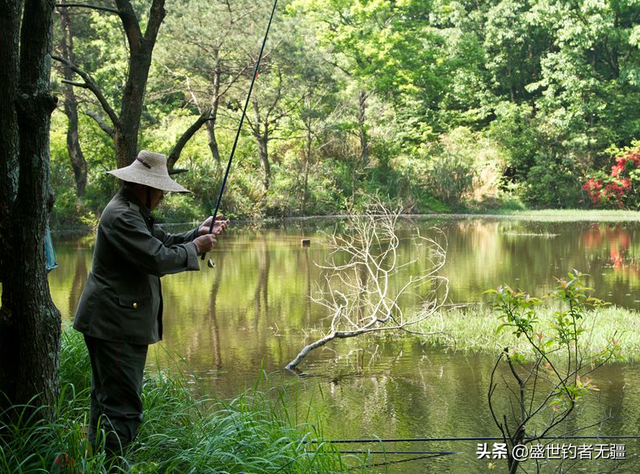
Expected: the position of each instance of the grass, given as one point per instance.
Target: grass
(475, 329)
(567, 215)
(182, 433)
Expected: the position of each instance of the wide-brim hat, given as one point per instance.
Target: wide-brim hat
(149, 169)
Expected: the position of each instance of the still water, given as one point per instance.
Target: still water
(252, 313)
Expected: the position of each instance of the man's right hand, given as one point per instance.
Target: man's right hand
(204, 243)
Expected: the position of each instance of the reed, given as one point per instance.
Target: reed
(182, 432)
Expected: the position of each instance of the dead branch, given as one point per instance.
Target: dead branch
(367, 282)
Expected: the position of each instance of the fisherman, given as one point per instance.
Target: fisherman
(120, 310)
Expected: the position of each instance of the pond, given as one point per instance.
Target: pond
(252, 313)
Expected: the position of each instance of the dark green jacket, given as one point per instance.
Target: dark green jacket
(122, 299)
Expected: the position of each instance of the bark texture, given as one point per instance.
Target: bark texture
(29, 321)
(141, 49)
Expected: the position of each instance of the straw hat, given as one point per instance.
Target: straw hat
(149, 169)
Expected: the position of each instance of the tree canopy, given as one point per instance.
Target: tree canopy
(517, 101)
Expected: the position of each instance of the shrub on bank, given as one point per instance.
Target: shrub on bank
(618, 188)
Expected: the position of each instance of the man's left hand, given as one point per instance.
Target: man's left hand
(219, 227)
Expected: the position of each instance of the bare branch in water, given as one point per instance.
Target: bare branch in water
(367, 280)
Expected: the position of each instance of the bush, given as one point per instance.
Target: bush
(553, 182)
(616, 189)
(450, 177)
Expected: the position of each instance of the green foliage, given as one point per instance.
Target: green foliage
(178, 208)
(449, 178)
(553, 182)
(515, 129)
(518, 311)
(543, 89)
(181, 432)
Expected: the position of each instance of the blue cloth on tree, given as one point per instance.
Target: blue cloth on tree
(50, 254)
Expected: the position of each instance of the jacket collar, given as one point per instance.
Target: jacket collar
(129, 196)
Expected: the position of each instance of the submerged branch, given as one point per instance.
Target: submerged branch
(364, 288)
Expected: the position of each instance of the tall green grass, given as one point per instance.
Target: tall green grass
(181, 432)
(475, 329)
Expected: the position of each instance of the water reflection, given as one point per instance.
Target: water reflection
(253, 312)
(530, 255)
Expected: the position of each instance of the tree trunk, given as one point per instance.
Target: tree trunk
(307, 166)
(263, 151)
(30, 324)
(213, 141)
(9, 134)
(78, 161)
(141, 49)
(364, 140)
(261, 134)
(215, 104)
(126, 134)
(361, 161)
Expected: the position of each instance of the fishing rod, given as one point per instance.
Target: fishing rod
(434, 454)
(417, 456)
(467, 438)
(422, 455)
(235, 141)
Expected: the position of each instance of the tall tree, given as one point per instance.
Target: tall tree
(590, 93)
(30, 324)
(208, 52)
(125, 126)
(387, 50)
(78, 161)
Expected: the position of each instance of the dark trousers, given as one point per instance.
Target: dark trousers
(116, 387)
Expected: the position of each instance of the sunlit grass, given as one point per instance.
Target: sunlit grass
(181, 432)
(569, 215)
(475, 329)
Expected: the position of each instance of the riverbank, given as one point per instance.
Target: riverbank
(543, 215)
(474, 329)
(181, 432)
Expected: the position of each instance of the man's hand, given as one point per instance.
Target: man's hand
(219, 227)
(204, 243)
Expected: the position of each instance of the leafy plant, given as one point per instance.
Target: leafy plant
(544, 390)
